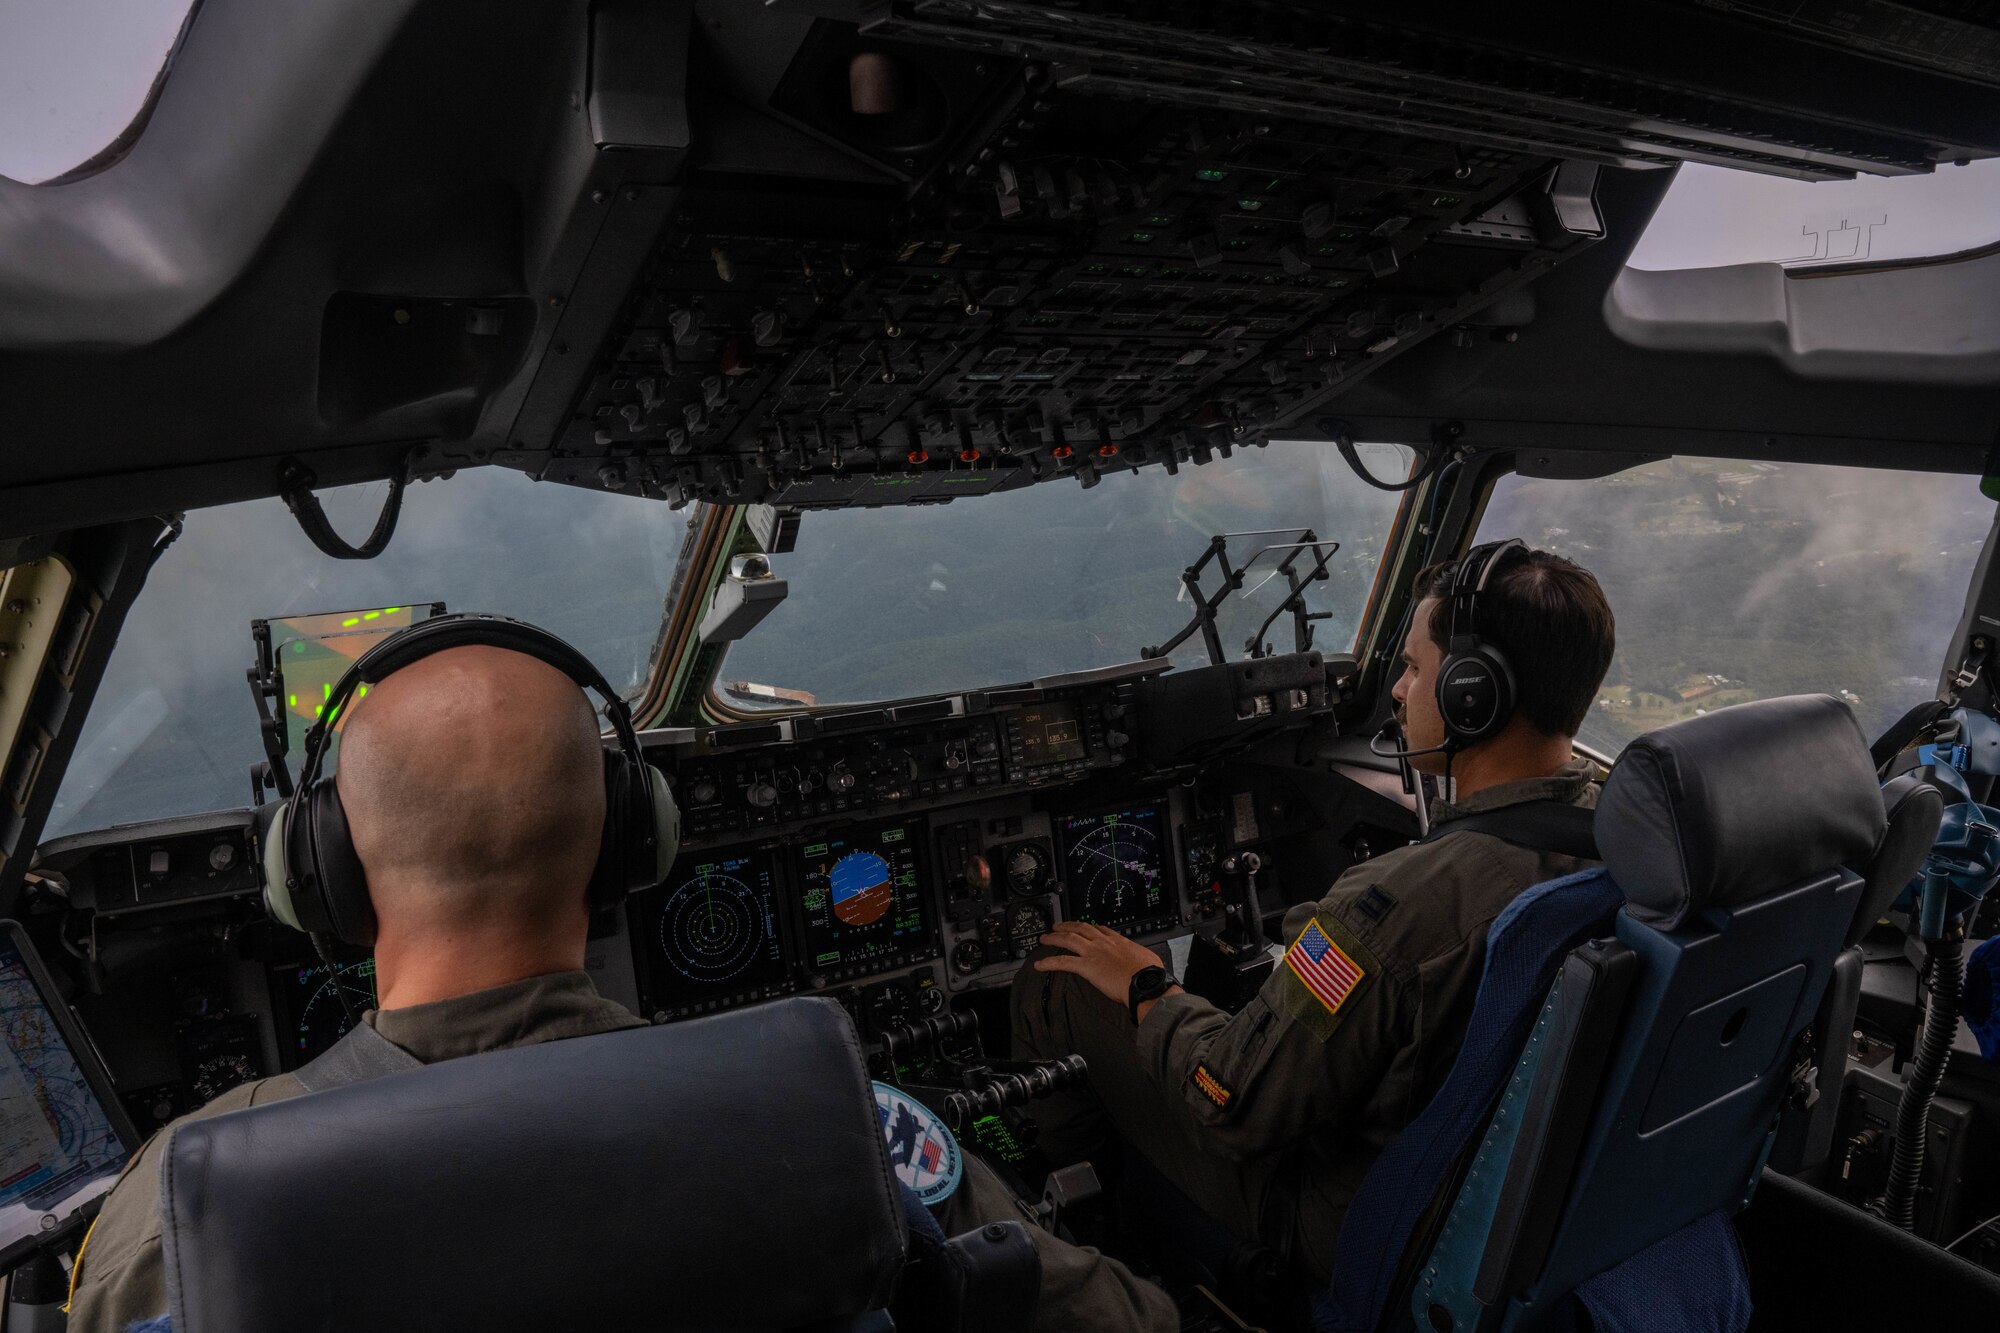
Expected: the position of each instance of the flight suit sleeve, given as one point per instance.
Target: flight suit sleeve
(121, 1276)
(123, 1272)
(1313, 1043)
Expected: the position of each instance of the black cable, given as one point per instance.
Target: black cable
(1343, 440)
(1913, 1112)
(1977, 1227)
(298, 480)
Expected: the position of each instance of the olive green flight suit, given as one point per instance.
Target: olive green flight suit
(123, 1279)
(1269, 1119)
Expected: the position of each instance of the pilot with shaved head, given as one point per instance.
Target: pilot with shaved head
(473, 785)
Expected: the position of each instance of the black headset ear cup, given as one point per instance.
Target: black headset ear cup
(642, 832)
(1475, 694)
(343, 885)
(609, 878)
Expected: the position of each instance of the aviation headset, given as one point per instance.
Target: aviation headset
(313, 880)
(1475, 684)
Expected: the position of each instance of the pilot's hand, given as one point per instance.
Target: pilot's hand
(1102, 957)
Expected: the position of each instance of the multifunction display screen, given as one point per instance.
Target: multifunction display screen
(862, 897)
(1114, 865)
(317, 1004)
(59, 1147)
(709, 933)
(1051, 734)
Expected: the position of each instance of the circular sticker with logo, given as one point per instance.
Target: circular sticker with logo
(922, 1151)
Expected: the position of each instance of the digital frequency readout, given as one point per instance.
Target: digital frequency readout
(1051, 734)
(710, 930)
(862, 896)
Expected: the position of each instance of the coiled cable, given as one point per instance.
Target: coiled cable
(1913, 1113)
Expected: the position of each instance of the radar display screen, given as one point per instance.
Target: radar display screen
(309, 999)
(863, 899)
(1051, 734)
(708, 936)
(60, 1145)
(1115, 867)
(312, 652)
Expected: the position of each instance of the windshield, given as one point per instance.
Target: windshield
(1740, 580)
(173, 729)
(75, 75)
(1051, 578)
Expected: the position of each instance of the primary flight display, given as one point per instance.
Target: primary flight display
(862, 896)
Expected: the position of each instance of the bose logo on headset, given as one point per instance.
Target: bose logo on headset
(313, 880)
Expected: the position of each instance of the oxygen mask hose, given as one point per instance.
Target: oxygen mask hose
(1962, 867)
(1913, 1113)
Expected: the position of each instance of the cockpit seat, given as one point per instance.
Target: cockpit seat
(1631, 1046)
(727, 1173)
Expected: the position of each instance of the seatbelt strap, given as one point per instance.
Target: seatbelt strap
(1904, 730)
(361, 1055)
(1540, 826)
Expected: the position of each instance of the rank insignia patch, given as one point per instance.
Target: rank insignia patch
(1328, 973)
(1211, 1087)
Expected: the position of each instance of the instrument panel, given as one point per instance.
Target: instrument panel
(894, 858)
(962, 900)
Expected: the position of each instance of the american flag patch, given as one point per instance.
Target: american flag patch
(1323, 966)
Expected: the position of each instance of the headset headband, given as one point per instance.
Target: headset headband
(461, 630)
(315, 882)
(1462, 595)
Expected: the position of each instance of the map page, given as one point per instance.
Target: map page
(57, 1146)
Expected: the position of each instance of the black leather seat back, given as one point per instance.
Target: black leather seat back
(721, 1174)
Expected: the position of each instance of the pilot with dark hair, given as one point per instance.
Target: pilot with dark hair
(1268, 1119)
(473, 782)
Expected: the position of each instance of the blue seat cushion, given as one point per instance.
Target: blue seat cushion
(1525, 947)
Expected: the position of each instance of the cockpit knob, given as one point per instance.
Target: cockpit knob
(702, 792)
(761, 794)
(1117, 740)
(840, 781)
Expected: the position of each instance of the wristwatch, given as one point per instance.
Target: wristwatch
(1148, 983)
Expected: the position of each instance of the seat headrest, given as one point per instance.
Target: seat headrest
(1915, 808)
(724, 1173)
(1723, 809)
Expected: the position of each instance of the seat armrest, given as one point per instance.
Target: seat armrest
(1593, 986)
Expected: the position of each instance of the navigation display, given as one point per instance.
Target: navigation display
(1114, 865)
(863, 898)
(1051, 734)
(709, 936)
(311, 1016)
(60, 1147)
